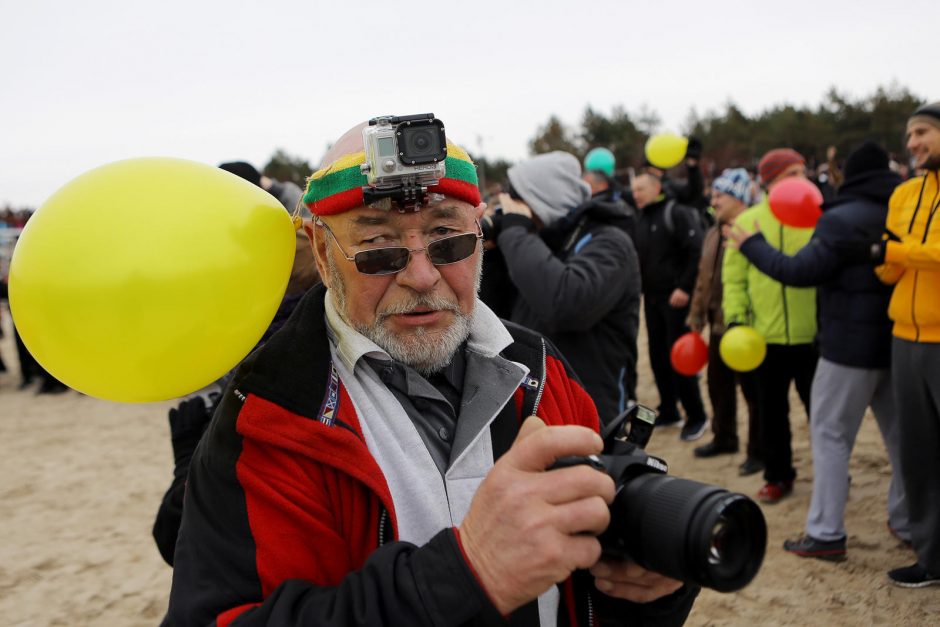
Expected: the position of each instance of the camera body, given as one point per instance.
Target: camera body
(690, 531)
(404, 155)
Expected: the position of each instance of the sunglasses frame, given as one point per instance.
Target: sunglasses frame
(478, 236)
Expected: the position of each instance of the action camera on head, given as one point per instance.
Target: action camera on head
(404, 155)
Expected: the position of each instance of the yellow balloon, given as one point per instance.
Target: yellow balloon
(742, 348)
(147, 279)
(666, 150)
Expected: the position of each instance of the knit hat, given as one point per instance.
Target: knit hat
(550, 184)
(734, 182)
(776, 161)
(867, 158)
(244, 170)
(928, 114)
(338, 187)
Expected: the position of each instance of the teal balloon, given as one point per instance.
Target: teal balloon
(600, 159)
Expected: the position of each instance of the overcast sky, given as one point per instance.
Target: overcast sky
(84, 83)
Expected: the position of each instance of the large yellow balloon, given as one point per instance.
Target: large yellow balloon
(742, 348)
(147, 279)
(666, 150)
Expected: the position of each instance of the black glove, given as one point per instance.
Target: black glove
(694, 149)
(854, 249)
(187, 422)
(878, 249)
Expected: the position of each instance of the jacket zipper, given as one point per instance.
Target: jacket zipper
(913, 308)
(383, 519)
(544, 376)
(590, 610)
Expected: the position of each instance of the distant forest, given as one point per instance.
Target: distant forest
(730, 137)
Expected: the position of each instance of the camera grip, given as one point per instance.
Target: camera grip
(578, 460)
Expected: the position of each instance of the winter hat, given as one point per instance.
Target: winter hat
(550, 184)
(866, 158)
(337, 187)
(776, 161)
(244, 170)
(734, 182)
(929, 114)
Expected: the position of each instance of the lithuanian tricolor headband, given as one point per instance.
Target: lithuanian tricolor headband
(405, 159)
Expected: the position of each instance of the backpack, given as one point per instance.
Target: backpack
(703, 220)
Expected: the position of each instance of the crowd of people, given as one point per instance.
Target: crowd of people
(387, 456)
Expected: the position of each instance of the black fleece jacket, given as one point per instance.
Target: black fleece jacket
(578, 283)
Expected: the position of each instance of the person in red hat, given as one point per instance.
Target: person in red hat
(785, 316)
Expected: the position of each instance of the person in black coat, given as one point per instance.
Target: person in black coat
(669, 244)
(576, 273)
(854, 341)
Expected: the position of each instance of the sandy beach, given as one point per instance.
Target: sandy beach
(82, 479)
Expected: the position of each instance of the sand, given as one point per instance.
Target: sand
(82, 479)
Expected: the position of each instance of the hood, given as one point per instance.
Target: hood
(550, 184)
(876, 186)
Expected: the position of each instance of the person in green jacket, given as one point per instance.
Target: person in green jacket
(785, 316)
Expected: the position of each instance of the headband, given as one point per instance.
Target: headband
(338, 187)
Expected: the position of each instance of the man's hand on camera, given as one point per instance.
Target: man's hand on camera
(528, 529)
(627, 580)
(511, 205)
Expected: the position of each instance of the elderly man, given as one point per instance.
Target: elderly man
(731, 195)
(367, 465)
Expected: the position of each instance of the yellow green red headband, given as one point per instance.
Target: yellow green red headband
(338, 187)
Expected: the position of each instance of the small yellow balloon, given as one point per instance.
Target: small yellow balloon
(666, 150)
(742, 348)
(147, 279)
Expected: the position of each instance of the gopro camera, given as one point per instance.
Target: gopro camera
(404, 156)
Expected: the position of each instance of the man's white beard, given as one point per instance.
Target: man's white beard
(425, 352)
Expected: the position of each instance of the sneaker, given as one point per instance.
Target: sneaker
(714, 448)
(666, 422)
(808, 546)
(913, 576)
(692, 431)
(775, 491)
(750, 466)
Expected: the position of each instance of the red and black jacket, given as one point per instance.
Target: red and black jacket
(287, 518)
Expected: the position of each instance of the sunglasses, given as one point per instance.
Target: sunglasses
(393, 259)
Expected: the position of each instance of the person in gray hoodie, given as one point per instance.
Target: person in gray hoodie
(576, 271)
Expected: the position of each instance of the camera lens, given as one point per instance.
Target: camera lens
(688, 530)
(421, 143)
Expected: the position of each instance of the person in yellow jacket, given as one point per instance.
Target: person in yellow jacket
(785, 316)
(911, 258)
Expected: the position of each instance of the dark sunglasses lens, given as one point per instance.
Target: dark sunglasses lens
(452, 249)
(382, 260)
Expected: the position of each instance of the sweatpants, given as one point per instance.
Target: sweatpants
(915, 369)
(839, 398)
(783, 364)
(664, 325)
(722, 390)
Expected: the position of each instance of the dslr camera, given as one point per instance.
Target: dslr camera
(690, 531)
(404, 157)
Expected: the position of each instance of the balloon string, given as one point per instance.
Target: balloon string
(295, 216)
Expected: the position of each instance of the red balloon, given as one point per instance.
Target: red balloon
(689, 354)
(796, 202)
